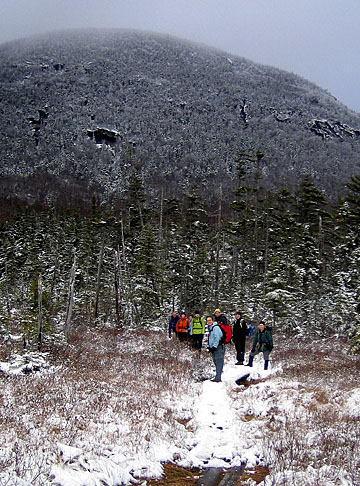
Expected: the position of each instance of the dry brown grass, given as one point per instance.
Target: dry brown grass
(321, 430)
(176, 476)
(257, 474)
(325, 362)
(103, 379)
(97, 382)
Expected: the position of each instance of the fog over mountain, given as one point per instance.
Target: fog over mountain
(81, 109)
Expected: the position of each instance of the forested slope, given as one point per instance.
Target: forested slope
(79, 108)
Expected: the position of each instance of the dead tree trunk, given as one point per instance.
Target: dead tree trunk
(101, 259)
(217, 256)
(40, 315)
(70, 299)
(116, 281)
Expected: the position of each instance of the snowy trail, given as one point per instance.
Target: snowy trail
(215, 430)
(221, 437)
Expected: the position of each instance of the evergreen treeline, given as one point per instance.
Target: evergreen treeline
(289, 257)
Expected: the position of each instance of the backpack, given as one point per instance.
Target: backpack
(268, 328)
(227, 333)
(251, 330)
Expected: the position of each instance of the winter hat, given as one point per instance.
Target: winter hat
(217, 310)
(183, 313)
(197, 312)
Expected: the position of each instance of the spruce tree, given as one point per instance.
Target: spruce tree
(145, 272)
(312, 216)
(193, 242)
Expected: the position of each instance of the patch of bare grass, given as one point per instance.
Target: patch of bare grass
(176, 476)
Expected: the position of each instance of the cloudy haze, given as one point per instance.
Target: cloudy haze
(318, 39)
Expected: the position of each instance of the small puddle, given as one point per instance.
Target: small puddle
(212, 476)
(220, 477)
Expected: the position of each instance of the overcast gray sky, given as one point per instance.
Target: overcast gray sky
(318, 39)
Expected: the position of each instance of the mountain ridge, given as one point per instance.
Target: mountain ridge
(81, 108)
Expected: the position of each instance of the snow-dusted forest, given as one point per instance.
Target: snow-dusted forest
(290, 258)
(94, 392)
(73, 103)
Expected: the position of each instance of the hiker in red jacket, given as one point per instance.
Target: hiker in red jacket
(182, 327)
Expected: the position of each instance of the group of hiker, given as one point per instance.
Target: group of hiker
(192, 328)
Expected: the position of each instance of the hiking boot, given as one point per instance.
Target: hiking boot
(215, 380)
(239, 363)
(250, 363)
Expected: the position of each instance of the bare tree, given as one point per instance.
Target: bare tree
(116, 282)
(217, 261)
(70, 298)
(101, 259)
(40, 315)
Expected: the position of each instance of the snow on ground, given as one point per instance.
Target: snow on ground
(220, 425)
(221, 438)
(217, 437)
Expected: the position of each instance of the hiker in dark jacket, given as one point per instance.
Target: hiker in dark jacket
(262, 343)
(172, 323)
(219, 318)
(239, 331)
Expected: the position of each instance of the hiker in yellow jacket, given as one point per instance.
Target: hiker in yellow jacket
(197, 330)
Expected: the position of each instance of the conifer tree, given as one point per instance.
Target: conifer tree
(146, 273)
(277, 296)
(238, 228)
(193, 242)
(311, 215)
(172, 255)
(346, 264)
(283, 234)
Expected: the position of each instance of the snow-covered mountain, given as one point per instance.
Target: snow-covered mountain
(78, 108)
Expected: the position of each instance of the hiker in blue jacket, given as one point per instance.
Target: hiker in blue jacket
(174, 319)
(216, 347)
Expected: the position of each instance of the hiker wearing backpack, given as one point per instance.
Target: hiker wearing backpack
(172, 323)
(197, 330)
(182, 327)
(190, 319)
(224, 326)
(262, 343)
(239, 333)
(251, 330)
(216, 347)
(220, 318)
